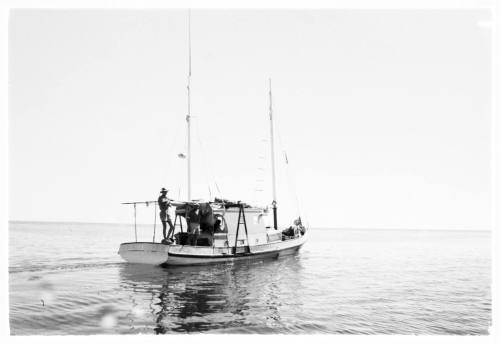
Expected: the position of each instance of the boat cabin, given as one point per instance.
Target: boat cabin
(223, 224)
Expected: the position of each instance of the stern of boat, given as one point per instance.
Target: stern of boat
(144, 252)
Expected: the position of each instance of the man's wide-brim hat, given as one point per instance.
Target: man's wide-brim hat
(163, 190)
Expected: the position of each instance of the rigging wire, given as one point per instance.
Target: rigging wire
(261, 174)
(170, 153)
(290, 178)
(206, 165)
(202, 157)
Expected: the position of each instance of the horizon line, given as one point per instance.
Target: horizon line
(313, 227)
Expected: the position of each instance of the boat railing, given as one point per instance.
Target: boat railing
(174, 203)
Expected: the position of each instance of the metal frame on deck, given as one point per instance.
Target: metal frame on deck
(241, 214)
(175, 222)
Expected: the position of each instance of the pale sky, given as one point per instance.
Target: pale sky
(384, 114)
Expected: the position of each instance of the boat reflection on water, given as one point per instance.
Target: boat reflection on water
(235, 297)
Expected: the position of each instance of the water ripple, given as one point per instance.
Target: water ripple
(341, 282)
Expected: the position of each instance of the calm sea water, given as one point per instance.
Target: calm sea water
(68, 279)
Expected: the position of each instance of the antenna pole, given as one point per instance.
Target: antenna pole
(188, 116)
(273, 167)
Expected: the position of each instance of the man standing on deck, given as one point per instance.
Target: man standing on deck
(164, 204)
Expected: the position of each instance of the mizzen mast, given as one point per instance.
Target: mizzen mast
(273, 167)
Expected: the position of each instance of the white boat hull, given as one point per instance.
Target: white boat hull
(185, 260)
(183, 255)
(144, 252)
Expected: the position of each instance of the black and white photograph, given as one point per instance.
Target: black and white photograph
(177, 170)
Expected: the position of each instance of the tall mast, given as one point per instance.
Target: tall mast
(273, 167)
(188, 116)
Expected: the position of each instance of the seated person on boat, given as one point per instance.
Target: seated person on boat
(294, 231)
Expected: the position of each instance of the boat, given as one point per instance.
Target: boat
(229, 230)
